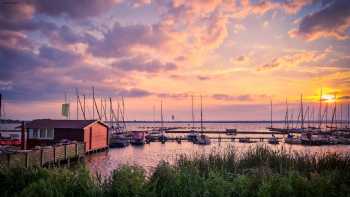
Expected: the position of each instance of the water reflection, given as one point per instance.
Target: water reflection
(149, 155)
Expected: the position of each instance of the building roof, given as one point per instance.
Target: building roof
(61, 124)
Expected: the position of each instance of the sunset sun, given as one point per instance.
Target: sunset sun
(328, 98)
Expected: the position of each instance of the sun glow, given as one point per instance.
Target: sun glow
(328, 98)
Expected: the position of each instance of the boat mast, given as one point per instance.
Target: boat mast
(94, 105)
(348, 115)
(334, 118)
(201, 115)
(124, 115)
(270, 113)
(302, 111)
(82, 108)
(84, 112)
(192, 114)
(291, 119)
(161, 116)
(0, 105)
(307, 115)
(341, 115)
(77, 104)
(320, 111)
(313, 115)
(325, 115)
(286, 117)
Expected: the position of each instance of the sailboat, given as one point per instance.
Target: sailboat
(162, 137)
(193, 134)
(118, 137)
(202, 139)
(271, 128)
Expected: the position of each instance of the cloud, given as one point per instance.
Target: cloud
(333, 20)
(344, 98)
(244, 97)
(293, 60)
(143, 65)
(203, 78)
(74, 9)
(134, 92)
(245, 8)
(238, 28)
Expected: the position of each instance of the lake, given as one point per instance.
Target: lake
(149, 155)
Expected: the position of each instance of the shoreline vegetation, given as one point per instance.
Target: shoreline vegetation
(259, 171)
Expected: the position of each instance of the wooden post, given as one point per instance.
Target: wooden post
(65, 152)
(27, 160)
(54, 154)
(76, 150)
(23, 137)
(8, 160)
(41, 158)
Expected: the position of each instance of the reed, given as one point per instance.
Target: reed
(260, 171)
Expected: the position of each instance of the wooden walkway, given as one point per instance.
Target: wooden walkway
(225, 132)
(43, 156)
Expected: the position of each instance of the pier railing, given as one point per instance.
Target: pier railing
(43, 156)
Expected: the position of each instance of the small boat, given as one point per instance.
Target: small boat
(245, 140)
(153, 136)
(118, 141)
(178, 140)
(138, 138)
(202, 140)
(192, 135)
(291, 139)
(163, 139)
(273, 140)
(231, 131)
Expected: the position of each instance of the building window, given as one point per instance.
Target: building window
(50, 133)
(30, 133)
(42, 133)
(35, 133)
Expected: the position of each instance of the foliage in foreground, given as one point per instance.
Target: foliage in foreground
(258, 172)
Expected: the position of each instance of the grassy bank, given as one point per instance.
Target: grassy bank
(258, 172)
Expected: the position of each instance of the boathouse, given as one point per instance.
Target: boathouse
(46, 132)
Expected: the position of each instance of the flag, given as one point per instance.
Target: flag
(65, 109)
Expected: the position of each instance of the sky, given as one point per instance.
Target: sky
(237, 55)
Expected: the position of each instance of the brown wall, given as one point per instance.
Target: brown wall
(99, 134)
(60, 134)
(99, 138)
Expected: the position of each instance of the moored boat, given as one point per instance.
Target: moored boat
(245, 140)
(138, 138)
(118, 141)
(202, 140)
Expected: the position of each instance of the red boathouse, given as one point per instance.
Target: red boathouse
(45, 132)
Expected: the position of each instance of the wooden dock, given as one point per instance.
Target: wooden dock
(218, 138)
(43, 156)
(225, 132)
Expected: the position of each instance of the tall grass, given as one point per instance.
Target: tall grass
(259, 171)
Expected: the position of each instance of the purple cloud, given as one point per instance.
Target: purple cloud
(333, 20)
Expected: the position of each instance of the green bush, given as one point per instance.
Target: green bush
(259, 172)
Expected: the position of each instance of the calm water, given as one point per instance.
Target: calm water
(149, 155)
